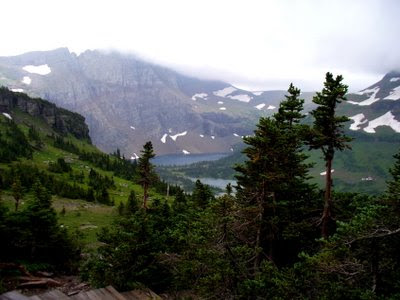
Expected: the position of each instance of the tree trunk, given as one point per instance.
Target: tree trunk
(327, 213)
(258, 251)
(145, 195)
(16, 204)
(260, 231)
(375, 266)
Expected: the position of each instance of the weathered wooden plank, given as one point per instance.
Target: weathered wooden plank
(93, 295)
(141, 295)
(13, 295)
(52, 295)
(115, 293)
(80, 296)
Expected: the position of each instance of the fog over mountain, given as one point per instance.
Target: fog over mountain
(263, 45)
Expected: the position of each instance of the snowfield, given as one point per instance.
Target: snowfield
(225, 92)
(200, 95)
(260, 106)
(243, 98)
(7, 116)
(394, 79)
(18, 90)
(26, 80)
(394, 94)
(41, 70)
(358, 120)
(222, 108)
(132, 127)
(324, 173)
(185, 152)
(164, 138)
(174, 137)
(372, 97)
(135, 156)
(385, 120)
(271, 107)
(257, 93)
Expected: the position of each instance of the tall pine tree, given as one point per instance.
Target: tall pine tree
(274, 172)
(328, 136)
(146, 170)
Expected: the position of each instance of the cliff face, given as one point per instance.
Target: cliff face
(127, 101)
(61, 120)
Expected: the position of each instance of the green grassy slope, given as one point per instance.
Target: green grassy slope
(86, 216)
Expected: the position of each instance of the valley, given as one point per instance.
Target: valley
(140, 219)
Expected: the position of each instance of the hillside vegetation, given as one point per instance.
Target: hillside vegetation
(279, 236)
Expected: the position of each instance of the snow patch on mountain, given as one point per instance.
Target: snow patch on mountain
(243, 98)
(174, 137)
(372, 97)
(385, 120)
(7, 116)
(235, 134)
(18, 90)
(358, 120)
(225, 92)
(257, 93)
(164, 138)
(213, 137)
(185, 152)
(271, 107)
(41, 70)
(201, 135)
(26, 80)
(135, 156)
(132, 127)
(220, 102)
(222, 108)
(394, 79)
(260, 106)
(200, 95)
(394, 94)
(324, 173)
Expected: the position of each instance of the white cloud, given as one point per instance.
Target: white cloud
(265, 44)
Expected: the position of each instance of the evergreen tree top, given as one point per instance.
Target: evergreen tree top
(289, 111)
(328, 133)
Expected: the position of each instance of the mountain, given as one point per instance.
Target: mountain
(375, 106)
(374, 125)
(127, 101)
(60, 120)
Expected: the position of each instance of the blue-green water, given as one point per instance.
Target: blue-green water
(181, 159)
(216, 182)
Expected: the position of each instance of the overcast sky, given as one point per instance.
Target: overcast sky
(257, 45)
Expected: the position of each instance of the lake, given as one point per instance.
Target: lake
(181, 159)
(216, 182)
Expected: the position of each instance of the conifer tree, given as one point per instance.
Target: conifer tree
(258, 180)
(132, 205)
(17, 192)
(202, 195)
(274, 174)
(289, 112)
(328, 136)
(393, 190)
(146, 170)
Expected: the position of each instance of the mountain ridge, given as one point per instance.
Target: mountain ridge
(127, 101)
